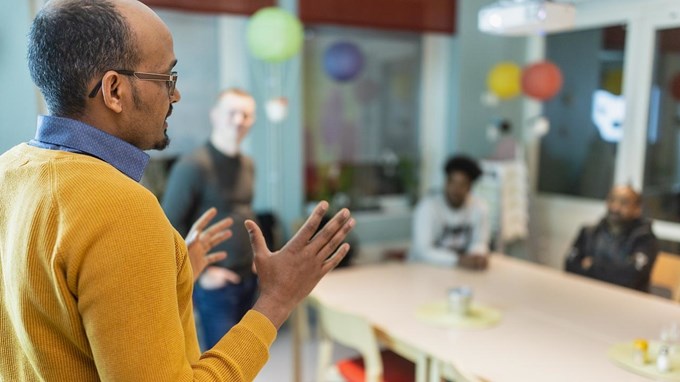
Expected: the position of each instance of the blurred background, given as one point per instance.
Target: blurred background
(382, 92)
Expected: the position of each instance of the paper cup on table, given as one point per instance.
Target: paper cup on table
(460, 300)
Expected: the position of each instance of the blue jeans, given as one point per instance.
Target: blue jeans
(220, 309)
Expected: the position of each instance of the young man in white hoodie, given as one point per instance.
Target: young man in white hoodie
(452, 228)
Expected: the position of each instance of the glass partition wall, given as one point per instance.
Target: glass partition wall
(361, 92)
(662, 154)
(634, 59)
(578, 154)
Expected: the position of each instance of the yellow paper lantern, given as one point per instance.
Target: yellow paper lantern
(504, 80)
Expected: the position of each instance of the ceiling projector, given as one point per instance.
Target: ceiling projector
(526, 17)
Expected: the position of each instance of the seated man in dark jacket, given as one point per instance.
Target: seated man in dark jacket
(621, 248)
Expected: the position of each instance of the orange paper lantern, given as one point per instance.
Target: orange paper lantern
(541, 80)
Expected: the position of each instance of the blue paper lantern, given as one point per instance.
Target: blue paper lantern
(343, 61)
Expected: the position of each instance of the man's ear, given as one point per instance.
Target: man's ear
(113, 90)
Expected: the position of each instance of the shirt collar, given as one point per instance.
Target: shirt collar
(71, 135)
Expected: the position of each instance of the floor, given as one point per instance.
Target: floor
(280, 365)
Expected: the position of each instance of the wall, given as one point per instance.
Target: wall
(189, 125)
(18, 100)
(277, 148)
(438, 103)
(222, 60)
(567, 164)
(449, 120)
(476, 55)
(453, 117)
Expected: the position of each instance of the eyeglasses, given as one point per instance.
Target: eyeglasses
(170, 79)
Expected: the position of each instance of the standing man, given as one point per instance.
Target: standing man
(453, 228)
(95, 284)
(621, 248)
(218, 174)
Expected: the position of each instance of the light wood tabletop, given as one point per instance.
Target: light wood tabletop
(554, 327)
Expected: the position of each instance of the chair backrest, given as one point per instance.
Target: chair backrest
(352, 331)
(666, 274)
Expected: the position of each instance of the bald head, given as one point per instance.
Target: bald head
(627, 191)
(624, 204)
(145, 24)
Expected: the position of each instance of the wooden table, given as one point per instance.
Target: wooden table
(555, 326)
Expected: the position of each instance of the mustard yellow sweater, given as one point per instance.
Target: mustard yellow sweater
(95, 284)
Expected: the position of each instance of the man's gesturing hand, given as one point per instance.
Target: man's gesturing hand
(287, 276)
(200, 240)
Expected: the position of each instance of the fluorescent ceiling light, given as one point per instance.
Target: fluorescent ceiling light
(526, 17)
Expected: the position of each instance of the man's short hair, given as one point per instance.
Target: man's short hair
(464, 164)
(73, 42)
(235, 91)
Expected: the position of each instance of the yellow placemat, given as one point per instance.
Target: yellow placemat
(438, 313)
(622, 355)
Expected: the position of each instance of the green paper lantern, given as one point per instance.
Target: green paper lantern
(274, 35)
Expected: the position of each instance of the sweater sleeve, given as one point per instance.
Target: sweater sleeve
(241, 353)
(425, 228)
(133, 287)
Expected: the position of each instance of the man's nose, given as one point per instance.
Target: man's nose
(238, 118)
(175, 96)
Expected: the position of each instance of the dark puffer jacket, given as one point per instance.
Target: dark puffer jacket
(625, 259)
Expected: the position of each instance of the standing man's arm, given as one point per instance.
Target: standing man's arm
(180, 202)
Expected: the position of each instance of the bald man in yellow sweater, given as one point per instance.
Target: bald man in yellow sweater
(95, 284)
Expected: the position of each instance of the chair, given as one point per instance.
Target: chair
(355, 332)
(666, 275)
(442, 371)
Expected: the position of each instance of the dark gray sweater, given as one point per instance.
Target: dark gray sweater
(207, 178)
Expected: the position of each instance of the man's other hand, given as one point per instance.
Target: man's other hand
(200, 241)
